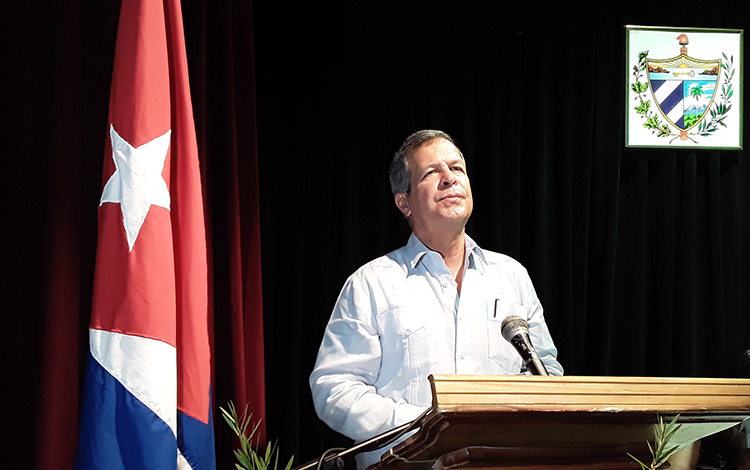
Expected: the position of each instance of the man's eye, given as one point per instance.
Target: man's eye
(458, 168)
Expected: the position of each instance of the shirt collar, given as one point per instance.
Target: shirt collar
(476, 255)
(416, 250)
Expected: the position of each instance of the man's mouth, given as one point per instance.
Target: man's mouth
(451, 196)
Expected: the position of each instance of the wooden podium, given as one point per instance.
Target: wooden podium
(562, 423)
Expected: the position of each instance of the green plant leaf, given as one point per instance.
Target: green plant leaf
(248, 458)
(643, 465)
(243, 459)
(660, 452)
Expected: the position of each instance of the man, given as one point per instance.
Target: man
(434, 306)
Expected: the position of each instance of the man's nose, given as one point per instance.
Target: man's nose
(448, 179)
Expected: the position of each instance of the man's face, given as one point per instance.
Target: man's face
(440, 195)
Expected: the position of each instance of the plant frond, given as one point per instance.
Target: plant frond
(248, 457)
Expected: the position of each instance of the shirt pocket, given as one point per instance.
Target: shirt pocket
(407, 348)
(500, 350)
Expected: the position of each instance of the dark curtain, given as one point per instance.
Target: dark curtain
(57, 68)
(55, 99)
(219, 42)
(638, 255)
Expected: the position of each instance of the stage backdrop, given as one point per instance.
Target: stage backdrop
(639, 256)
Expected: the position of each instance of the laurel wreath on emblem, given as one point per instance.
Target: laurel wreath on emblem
(662, 129)
(718, 113)
(644, 108)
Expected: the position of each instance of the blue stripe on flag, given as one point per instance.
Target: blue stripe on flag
(117, 431)
(196, 440)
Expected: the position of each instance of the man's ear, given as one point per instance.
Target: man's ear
(403, 204)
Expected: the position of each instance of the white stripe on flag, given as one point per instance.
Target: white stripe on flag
(182, 464)
(147, 368)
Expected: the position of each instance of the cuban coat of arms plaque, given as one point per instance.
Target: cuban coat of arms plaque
(684, 87)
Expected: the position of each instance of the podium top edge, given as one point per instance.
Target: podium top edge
(587, 379)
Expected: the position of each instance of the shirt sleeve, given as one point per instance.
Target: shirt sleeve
(347, 367)
(539, 333)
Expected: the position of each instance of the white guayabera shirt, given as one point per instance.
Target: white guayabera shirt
(399, 319)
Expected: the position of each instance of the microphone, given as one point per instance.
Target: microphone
(516, 331)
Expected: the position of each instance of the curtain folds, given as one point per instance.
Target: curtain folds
(52, 183)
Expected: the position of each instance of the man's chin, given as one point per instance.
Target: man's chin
(455, 219)
(458, 212)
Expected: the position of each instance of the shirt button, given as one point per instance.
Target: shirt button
(463, 356)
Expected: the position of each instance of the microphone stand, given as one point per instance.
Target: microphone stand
(332, 458)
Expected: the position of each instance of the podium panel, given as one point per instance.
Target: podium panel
(562, 423)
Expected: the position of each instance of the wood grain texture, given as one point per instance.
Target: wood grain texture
(562, 423)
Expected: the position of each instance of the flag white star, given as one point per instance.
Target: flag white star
(137, 183)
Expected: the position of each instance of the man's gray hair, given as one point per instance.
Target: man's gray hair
(399, 175)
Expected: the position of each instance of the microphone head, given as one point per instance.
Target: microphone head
(512, 325)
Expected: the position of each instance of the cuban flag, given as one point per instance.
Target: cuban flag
(147, 392)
